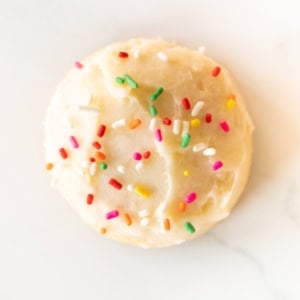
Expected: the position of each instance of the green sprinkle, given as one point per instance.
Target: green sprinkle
(185, 140)
(189, 227)
(119, 80)
(153, 111)
(157, 93)
(103, 166)
(130, 81)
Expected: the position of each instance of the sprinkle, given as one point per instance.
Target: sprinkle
(158, 135)
(209, 152)
(92, 159)
(63, 153)
(224, 125)
(96, 145)
(119, 80)
(147, 154)
(176, 126)
(230, 104)
(167, 224)
(121, 169)
(93, 169)
(103, 230)
(139, 166)
(153, 110)
(123, 54)
(136, 54)
(118, 123)
(186, 103)
(112, 214)
(185, 127)
(208, 118)
(143, 213)
(197, 107)
(116, 184)
(85, 164)
(167, 121)
(217, 165)
(189, 227)
(49, 166)
(144, 222)
(127, 219)
(74, 142)
(134, 123)
(199, 147)
(100, 155)
(195, 123)
(182, 206)
(101, 130)
(157, 93)
(186, 172)
(216, 71)
(152, 124)
(130, 188)
(89, 199)
(78, 65)
(137, 156)
(231, 96)
(185, 140)
(162, 56)
(103, 166)
(130, 81)
(141, 191)
(190, 197)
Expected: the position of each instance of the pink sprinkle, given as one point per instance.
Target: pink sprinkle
(137, 156)
(78, 65)
(158, 135)
(224, 125)
(217, 165)
(191, 198)
(74, 142)
(112, 214)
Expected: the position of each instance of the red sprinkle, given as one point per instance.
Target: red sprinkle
(92, 159)
(89, 199)
(74, 142)
(63, 153)
(101, 130)
(123, 54)
(78, 65)
(186, 103)
(116, 184)
(208, 118)
(224, 125)
(216, 71)
(158, 135)
(112, 214)
(137, 156)
(167, 121)
(96, 145)
(147, 154)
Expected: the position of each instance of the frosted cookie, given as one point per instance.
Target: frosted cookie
(150, 142)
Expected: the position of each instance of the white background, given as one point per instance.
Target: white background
(46, 252)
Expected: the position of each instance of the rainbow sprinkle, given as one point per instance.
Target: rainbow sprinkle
(189, 227)
(157, 93)
(185, 140)
(130, 81)
(217, 165)
(141, 191)
(112, 214)
(153, 111)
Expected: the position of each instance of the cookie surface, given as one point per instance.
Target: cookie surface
(149, 142)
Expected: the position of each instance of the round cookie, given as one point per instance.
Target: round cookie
(150, 142)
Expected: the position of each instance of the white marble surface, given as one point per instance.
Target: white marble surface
(46, 252)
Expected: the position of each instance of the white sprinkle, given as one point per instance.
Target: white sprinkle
(201, 49)
(185, 127)
(143, 213)
(93, 169)
(209, 152)
(136, 54)
(68, 123)
(144, 222)
(85, 164)
(139, 165)
(121, 169)
(199, 147)
(152, 124)
(162, 56)
(87, 99)
(130, 187)
(197, 107)
(88, 109)
(176, 126)
(118, 123)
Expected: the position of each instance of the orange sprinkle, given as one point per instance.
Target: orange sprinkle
(49, 166)
(231, 96)
(134, 123)
(100, 155)
(182, 206)
(103, 230)
(128, 219)
(167, 225)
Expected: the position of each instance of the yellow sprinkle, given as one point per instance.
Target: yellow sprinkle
(195, 122)
(230, 103)
(186, 172)
(141, 191)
